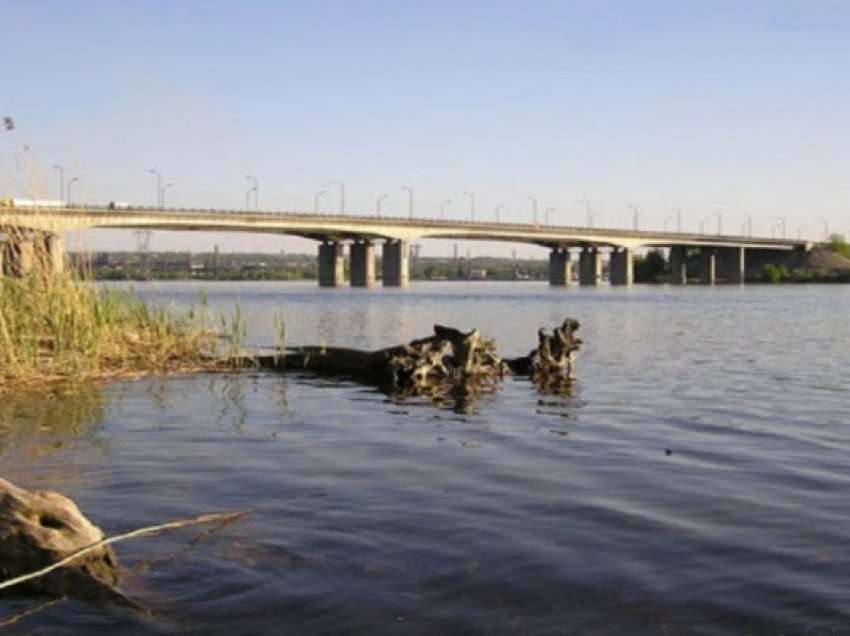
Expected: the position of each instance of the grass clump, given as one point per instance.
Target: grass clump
(56, 326)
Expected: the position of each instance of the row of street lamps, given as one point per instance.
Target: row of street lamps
(65, 187)
(778, 229)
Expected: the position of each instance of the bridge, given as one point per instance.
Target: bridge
(32, 233)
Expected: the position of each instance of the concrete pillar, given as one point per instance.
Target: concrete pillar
(331, 264)
(362, 264)
(20, 256)
(560, 267)
(394, 269)
(679, 265)
(708, 266)
(54, 250)
(733, 264)
(622, 266)
(590, 266)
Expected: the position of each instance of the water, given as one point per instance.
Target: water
(695, 482)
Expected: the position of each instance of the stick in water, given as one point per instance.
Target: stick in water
(141, 532)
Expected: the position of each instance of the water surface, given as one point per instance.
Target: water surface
(696, 481)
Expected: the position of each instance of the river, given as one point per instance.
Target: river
(696, 480)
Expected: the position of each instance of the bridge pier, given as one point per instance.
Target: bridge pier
(331, 264)
(732, 264)
(590, 266)
(362, 264)
(622, 266)
(394, 263)
(708, 266)
(54, 251)
(679, 265)
(20, 254)
(560, 267)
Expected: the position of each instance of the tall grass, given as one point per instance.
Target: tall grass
(60, 326)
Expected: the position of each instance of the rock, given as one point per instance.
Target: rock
(39, 528)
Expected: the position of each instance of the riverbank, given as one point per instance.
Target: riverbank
(58, 327)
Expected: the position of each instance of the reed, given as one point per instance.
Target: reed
(56, 326)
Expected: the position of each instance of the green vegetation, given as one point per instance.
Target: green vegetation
(650, 268)
(839, 245)
(59, 326)
(775, 273)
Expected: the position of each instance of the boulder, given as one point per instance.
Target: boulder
(39, 528)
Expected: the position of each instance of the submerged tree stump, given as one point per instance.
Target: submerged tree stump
(444, 363)
(39, 528)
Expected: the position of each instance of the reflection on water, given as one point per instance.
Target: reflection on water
(693, 481)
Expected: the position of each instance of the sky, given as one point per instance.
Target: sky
(721, 109)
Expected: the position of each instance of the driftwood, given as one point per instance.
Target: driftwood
(39, 528)
(439, 365)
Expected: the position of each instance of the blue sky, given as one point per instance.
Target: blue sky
(740, 107)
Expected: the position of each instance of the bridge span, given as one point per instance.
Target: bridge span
(31, 231)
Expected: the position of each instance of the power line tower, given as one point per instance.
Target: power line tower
(143, 244)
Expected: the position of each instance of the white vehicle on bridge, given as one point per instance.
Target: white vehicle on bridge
(14, 202)
(119, 205)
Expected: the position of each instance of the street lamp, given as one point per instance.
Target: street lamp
(825, 224)
(256, 190)
(501, 206)
(635, 215)
(533, 201)
(591, 216)
(719, 216)
(409, 191)
(443, 205)
(546, 215)
(158, 186)
(749, 224)
(68, 188)
(61, 182)
(781, 221)
(378, 203)
(678, 212)
(587, 212)
(667, 220)
(162, 194)
(471, 196)
(316, 199)
(341, 186)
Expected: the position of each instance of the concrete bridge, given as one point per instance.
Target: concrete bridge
(32, 233)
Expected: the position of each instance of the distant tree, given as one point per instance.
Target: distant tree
(650, 268)
(839, 245)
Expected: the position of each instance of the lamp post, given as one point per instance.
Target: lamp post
(378, 202)
(158, 186)
(667, 220)
(501, 206)
(256, 189)
(719, 216)
(749, 224)
(546, 215)
(68, 188)
(61, 182)
(825, 224)
(587, 212)
(781, 221)
(678, 212)
(635, 215)
(443, 206)
(591, 216)
(162, 194)
(341, 186)
(533, 201)
(471, 196)
(316, 198)
(409, 191)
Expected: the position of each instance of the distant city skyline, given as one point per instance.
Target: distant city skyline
(725, 110)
